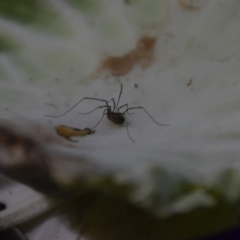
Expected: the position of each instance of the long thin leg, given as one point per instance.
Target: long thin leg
(125, 105)
(112, 99)
(96, 99)
(93, 110)
(104, 113)
(100, 107)
(147, 114)
(128, 130)
(118, 96)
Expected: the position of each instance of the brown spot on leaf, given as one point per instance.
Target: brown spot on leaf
(187, 5)
(143, 54)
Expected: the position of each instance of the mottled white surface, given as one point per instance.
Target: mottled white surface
(199, 44)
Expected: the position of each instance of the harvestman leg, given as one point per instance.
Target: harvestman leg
(104, 113)
(128, 129)
(119, 96)
(147, 114)
(125, 105)
(93, 110)
(99, 107)
(96, 99)
(114, 104)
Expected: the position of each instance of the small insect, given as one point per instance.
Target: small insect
(114, 113)
(68, 132)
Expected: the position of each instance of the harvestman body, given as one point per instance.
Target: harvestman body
(114, 115)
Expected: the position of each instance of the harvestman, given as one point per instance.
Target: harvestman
(114, 115)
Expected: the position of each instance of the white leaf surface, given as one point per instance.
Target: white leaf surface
(190, 81)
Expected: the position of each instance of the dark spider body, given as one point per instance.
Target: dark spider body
(115, 117)
(113, 113)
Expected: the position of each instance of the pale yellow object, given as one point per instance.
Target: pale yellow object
(68, 132)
